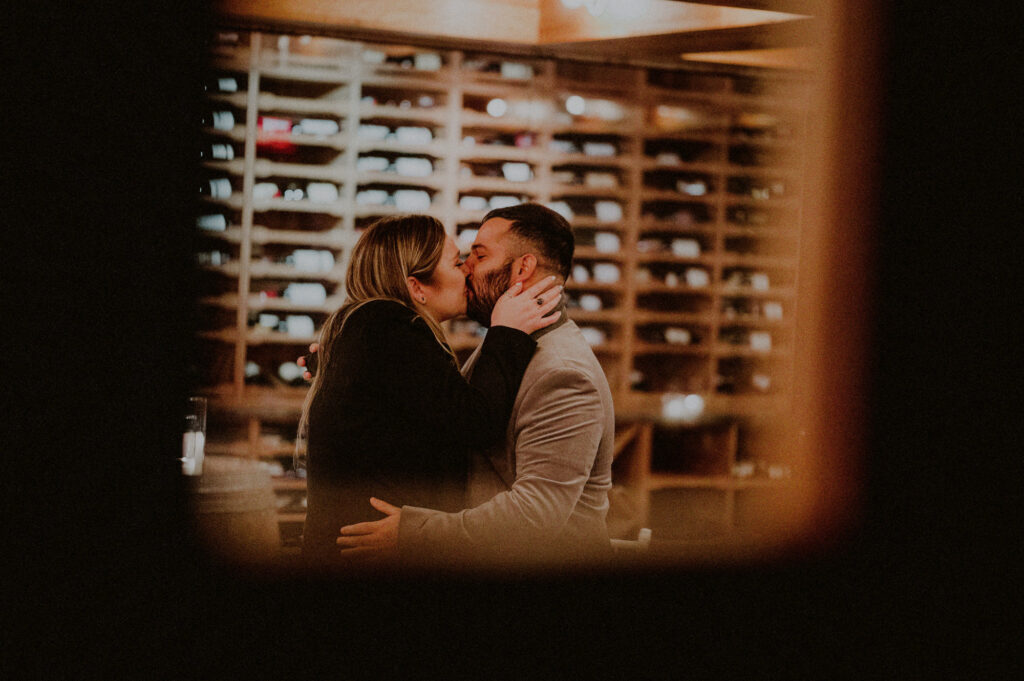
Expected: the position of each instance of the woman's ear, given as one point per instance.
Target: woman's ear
(416, 289)
(524, 268)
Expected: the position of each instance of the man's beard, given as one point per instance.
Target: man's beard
(482, 294)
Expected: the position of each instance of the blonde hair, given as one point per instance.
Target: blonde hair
(390, 251)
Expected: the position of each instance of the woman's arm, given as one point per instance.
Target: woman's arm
(421, 383)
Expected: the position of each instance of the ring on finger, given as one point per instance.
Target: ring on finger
(540, 301)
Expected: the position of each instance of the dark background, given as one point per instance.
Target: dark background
(96, 282)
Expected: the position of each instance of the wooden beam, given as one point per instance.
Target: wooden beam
(512, 21)
(795, 33)
(351, 20)
(805, 7)
(559, 24)
(776, 58)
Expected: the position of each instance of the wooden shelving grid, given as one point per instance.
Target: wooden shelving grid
(684, 190)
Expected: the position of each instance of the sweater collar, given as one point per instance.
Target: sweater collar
(536, 335)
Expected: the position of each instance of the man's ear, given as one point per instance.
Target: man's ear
(415, 289)
(524, 267)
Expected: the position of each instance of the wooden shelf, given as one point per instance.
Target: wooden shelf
(236, 60)
(696, 349)
(336, 208)
(752, 320)
(282, 483)
(411, 114)
(658, 287)
(337, 105)
(257, 303)
(278, 338)
(434, 181)
(364, 211)
(660, 481)
(641, 316)
(595, 316)
(397, 77)
(655, 134)
(595, 127)
(670, 195)
(479, 85)
(237, 100)
(591, 222)
(725, 350)
(773, 203)
(563, 159)
(262, 337)
(327, 71)
(474, 119)
(705, 260)
(435, 149)
(607, 348)
(496, 152)
(731, 230)
(497, 185)
(331, 239)
(589, 253)
(572, 285)
(559, 191)
(260, 270)
(234, 167)
(338, 141)
(235, 134)
(698, 167)
(751, 292)
(234, 201)
(331, 173)
(669, 227)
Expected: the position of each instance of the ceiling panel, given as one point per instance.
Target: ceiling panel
(656, 32)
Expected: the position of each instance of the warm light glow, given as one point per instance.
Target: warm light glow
(575, 105)
(620, 9)
(675, 407)
(607, 19)
(497, 107)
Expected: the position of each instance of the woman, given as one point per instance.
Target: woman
(388, 413)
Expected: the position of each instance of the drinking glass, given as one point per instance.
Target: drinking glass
(194, 437)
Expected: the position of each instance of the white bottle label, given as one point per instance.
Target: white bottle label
(224, 152)
(223, 120)
(192, 454)
(220, 188)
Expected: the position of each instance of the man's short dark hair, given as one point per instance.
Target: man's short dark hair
(544, 230)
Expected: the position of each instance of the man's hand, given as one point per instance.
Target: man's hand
(377, 540)
(301, 361)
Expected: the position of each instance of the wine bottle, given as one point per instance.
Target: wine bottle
(217, 152)
(220, 84)
(218, 120)
(218, 188)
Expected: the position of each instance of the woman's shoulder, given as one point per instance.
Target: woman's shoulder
(382, 312)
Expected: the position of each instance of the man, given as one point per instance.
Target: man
(543, 494)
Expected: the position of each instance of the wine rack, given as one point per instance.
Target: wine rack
(683, 188)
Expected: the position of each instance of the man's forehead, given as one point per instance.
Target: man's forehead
(491, 231)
